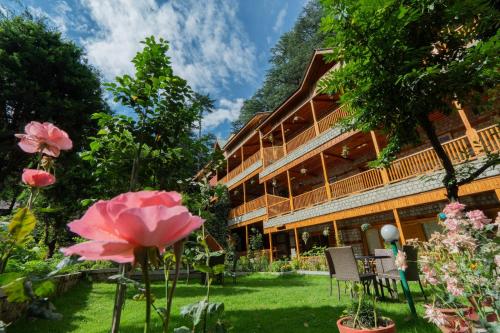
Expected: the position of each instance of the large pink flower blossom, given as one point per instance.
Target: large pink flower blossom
(434, 316)
(454, 209)
(478, 219)
(37, 178)
(132, 221)
(452, 224)
(45, 138)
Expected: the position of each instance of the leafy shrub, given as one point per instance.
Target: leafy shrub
(281, 266)
(316, 250)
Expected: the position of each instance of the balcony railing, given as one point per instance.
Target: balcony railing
(459, 150)
(242, 167)
(360, 182)
(256, 204)
(278, 208)
(213, 181)
(332, 118)
(300, 139)
(237, 211)
(310, 198)
(251, 160)
(489, 138)
(272, 154)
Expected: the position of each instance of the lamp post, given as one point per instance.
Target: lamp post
(391, 235)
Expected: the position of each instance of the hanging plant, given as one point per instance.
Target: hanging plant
(326, 231)
(365, 226)
(305, 236)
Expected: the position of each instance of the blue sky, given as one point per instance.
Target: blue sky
(221, 47)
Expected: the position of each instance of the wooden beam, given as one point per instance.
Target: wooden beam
(383, 171)
(313, 110)
(290, 195)
(270, 247)
(284, 139)
(325, 176)
(297, 243)
(246, 238)
(398, 224)
(339, 156)
(469, 130)
(497, 192)
(242, 159)
(261, 147)
(244, 198)
(337, 235)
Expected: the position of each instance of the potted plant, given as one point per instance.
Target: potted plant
(461, 265)
(362, 315)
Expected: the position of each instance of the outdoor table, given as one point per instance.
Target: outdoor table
(368, 266)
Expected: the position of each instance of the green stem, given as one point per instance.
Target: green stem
(147, 283)
(171, 294)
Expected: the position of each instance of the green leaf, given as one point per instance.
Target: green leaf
(203, 268)
(15, 291)
(22, 225)
(44, 289)
(218, 269)
(6, 278)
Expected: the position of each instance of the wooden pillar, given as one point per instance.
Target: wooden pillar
(227, 167)
(283, 136)
(383, 171)
(313, 110)
(337, 236)
(469, 130)
(297, 243)
(290, 195)
(242, 159)
(400, 228)
(497, 192)
(246, 237)
(325, 176)
(265, 197)
(244, 198)
(261, 147)
(270, 247)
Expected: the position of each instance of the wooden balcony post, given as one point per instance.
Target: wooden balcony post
(469, 130)
(290, 195)
(246, 238)
(337, 236)
(261, 147)
(297, 243)
(325, 176)
(383, 171)
(270, 247)
(244, 198)
(497, 192)
(400, 228)
(313, 110)
(284, 140)
(242, 159)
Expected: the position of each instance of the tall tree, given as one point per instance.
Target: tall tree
(404, 59)
(43, 77)
(289, 58)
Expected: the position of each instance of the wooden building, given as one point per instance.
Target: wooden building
(294, 170)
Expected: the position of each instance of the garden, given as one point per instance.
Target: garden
(109, 221)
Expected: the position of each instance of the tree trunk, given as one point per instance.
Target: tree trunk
(450, 179)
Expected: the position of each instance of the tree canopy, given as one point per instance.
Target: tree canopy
(289, 58)
(403, 60)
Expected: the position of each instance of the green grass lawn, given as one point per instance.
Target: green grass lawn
(259, 303)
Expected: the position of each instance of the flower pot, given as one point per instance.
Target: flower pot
(346, 329)
(454, 322)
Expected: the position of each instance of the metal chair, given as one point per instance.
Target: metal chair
(347, 268)
(386, 271)
(331, 269)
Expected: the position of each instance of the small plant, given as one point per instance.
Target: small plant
(256, 243)
(305, 236)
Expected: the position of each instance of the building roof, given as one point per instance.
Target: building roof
(250, 126)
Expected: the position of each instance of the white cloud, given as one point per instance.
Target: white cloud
(208, 45)
(227, 111)
(280, 19)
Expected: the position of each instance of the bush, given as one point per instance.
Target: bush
(281, 266)
(259, 263)
(315, 251)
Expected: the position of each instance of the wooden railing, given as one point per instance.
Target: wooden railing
(240, 168)
(223, 180)
(360, 182)
(256, 204)
(300, 139)
(251, 160)
(459, 151)
(274, 199)
(213, 181)
(278, 208)
(235, 172)
(272, 154)
(310, 198)
(489, 138)
(332, 118)
(237, 211)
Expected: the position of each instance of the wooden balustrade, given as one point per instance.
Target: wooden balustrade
(360, 182)
(240, 168)
(489, 138)
(223, 180)
(256, 204)
(237, 211)
(332, 118)
(459, 151)
(300, 139)
(272, 154)
(278, 208)
(251, 160)
(310, 198)
(235, 172)
(274, 199)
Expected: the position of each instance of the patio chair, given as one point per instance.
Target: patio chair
(331, 269)
(346, 268)
(386, 271)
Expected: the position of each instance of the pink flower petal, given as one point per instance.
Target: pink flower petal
(120, 252)
(95, 224)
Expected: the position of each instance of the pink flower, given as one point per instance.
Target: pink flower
(454, 209)
(478, 219)
(37, 178)
(497, 260)
(451, 224)
(456, 242)
(430, 275)
(452, 286)
(434, 316)
(45, 138)
(132, 221)
(401, 261)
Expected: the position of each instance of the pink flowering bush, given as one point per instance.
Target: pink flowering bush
(461, 264)
(44, 138)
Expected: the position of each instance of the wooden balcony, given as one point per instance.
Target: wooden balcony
(277, 205)
(237, 211)
(242, 167)
(360, 182)
(300, 139)
(332, 118)
(272, 154)
(213, 181)
(252, 205)
(310, 198)
(489, 138)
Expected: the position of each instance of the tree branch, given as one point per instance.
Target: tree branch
(479, 171)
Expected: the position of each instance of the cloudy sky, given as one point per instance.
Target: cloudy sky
(220, 47)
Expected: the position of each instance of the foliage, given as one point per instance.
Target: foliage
(462, 262)
(288, 61)
(257, 263)
(281, 265)
(315, 250)
(362, 312)
(255, 240)
(402, 60)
